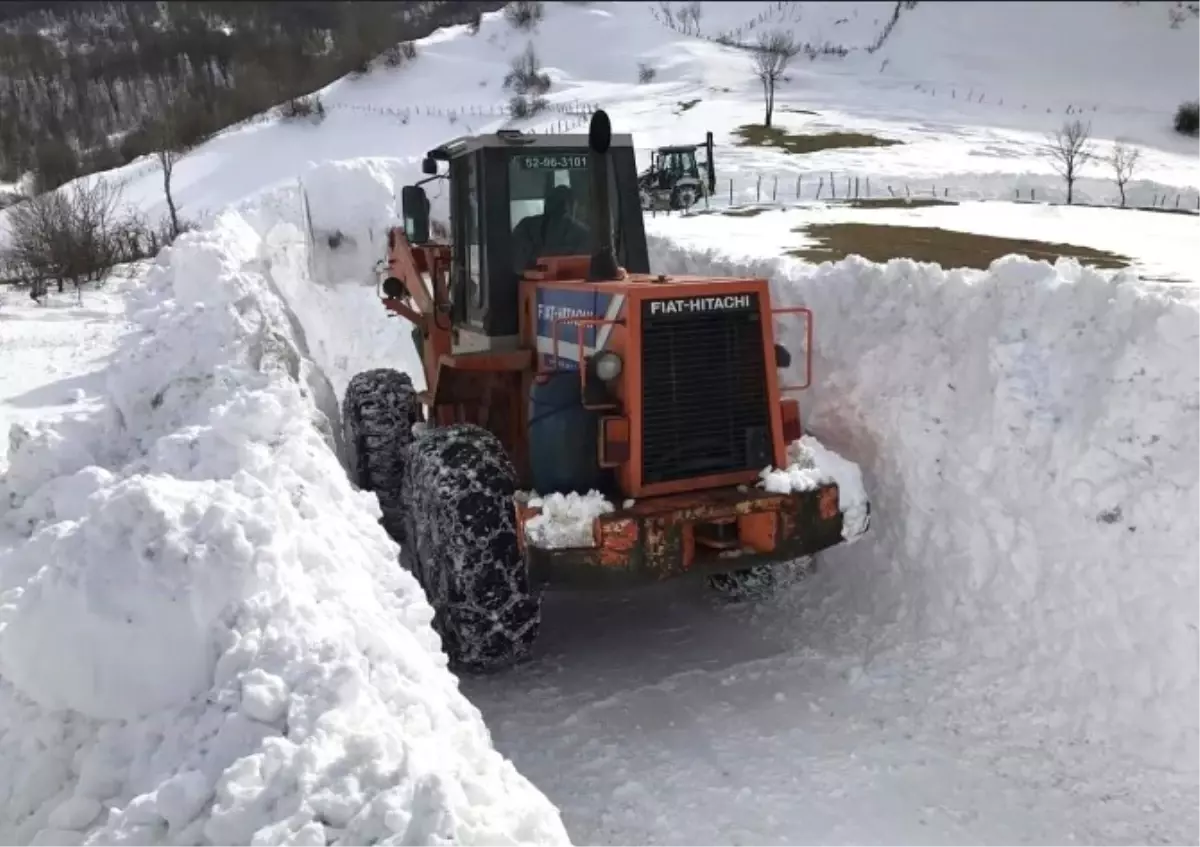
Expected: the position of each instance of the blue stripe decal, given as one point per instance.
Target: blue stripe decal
(557, 303)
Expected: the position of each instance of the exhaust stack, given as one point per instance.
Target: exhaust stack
(604, 259)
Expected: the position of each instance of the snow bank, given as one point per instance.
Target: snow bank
(1029, 438)
(206, 637)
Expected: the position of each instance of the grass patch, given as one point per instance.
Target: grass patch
(894, 202)
(881, 242)
(757, 135)
(684, 105)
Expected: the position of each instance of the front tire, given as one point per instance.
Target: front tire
(378, 413)
(461, 525)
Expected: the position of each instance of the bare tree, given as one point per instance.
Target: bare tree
(168, 149)
(772, 55)
(1069, 149)
(1123, 160)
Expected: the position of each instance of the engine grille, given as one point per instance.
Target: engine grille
(704, 394)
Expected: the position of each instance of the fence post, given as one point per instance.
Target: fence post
(890, 192)
(868, 186)
(758, 190)
(730, 194)
(832, 186)
(856, 188)
(820, 185)
(775, 189)
(798, 187)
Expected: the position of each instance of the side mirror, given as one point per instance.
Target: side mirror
(414, 207)
(428, 166)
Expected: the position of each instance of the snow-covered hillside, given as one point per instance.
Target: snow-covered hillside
(204, 637)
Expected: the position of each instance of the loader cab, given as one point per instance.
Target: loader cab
(514, 198)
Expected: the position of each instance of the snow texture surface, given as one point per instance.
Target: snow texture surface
(566, 520)
(810, 465)
(204, 635)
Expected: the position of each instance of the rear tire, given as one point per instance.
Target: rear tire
(461, 524)
(378, 413)
(684, 198)
(761, 581)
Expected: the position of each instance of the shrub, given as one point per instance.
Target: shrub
(525, 74)
(398, 54)
(524, 14)
(646, 73)
(298, 108)
(72, 235)
(526, 106)
(475, 23)
(1187, 117)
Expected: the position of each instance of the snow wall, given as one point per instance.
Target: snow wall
(1028, 436)
(206, 637)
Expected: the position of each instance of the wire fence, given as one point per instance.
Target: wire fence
(776, 189)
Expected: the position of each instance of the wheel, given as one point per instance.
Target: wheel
(761, 581)
(684, 198)
(462, 531)
(378, 413)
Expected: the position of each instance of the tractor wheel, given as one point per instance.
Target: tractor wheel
(684, 198)
(378, 413)
(462, 531)
(761, 581)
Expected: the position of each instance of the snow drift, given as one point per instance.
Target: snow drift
(1028, 436)
(206, 637)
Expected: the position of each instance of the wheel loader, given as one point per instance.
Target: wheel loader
(556, 362)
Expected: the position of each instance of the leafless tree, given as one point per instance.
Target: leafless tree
(73, 234)
(689, 18)
(772, 55)
(1068, 150)
(168, 149)
(1123, 160)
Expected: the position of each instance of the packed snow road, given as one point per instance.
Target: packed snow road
(664, 716)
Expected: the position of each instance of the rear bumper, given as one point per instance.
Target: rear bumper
(711, 531)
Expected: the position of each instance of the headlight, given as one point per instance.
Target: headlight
(607, 366)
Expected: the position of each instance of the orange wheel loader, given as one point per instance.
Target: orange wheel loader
(555, 362)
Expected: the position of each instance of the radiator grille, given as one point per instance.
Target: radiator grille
(704, 404)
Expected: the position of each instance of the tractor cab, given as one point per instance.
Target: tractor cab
(673, 163)
(515, 199)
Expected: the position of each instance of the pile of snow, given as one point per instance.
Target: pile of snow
(810, 465)
(205, 636)
(565, 520)
(1029, 438)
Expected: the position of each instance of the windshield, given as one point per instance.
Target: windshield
(549, 202)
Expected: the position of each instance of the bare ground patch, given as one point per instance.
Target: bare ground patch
(950, 249)
(757, 135)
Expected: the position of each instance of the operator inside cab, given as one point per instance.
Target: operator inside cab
(555, 232)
